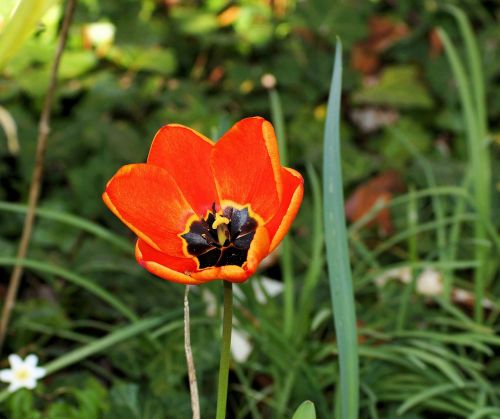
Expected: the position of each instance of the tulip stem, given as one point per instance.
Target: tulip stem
(225, 354)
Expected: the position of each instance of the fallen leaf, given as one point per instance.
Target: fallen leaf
(366, 195)
(383, 33)
(435, 44)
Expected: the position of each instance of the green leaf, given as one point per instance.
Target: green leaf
(21, 405)
(156, 59)
(399, 86)
(125, 402)
(20, 26)
(394, 151)
(305, 411)
(195, 22)
(90, 401)
(337, 251)
(76, 63)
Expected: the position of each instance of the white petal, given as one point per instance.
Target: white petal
(6, 376)
(31, 361)
(267, 287)
(39, 372)
(15, 361)
(210, 301)
(239, 295)
(30, 383)
(241, 348)
(14, 387)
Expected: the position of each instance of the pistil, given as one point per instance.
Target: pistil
(220, 224)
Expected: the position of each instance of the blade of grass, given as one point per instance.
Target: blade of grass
(437, 206)
(488, 412)
(76, 279)
(476, 73)
(413, 258)
(313, 272)
(73, 221)
(453, 191)
(479, 162)
(286, 260)
(337, 253)
(429, 226)
(98, 345)
(430, 393)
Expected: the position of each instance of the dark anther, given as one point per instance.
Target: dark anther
(221, 239)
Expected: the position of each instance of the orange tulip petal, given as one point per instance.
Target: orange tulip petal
(185, 154)
(259, 248)
(293, 191)
(246, 166)
(165, 266)
(231, 273)
(149, 202)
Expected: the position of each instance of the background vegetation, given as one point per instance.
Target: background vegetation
(427, 331)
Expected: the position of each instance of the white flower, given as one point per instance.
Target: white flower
(402, 274)
(262, 288)
(430, 283)
(22, 373)
(266, 287)
(211, 302)
(241, 348)
(100, 33)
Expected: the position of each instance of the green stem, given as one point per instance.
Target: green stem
(225, 354)
(412, 217)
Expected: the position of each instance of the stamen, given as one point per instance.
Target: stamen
(22, 374)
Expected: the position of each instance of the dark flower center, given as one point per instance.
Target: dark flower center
(221, 239)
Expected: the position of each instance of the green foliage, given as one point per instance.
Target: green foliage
(87, 401)
(96, 319)
(305, 411)
(20, 18)
(398, 87)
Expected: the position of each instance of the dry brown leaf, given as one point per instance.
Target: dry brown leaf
(366, 195)
(435, 44)
(383, 33)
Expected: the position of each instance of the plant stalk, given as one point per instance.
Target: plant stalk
(225, 353)
(193, 384)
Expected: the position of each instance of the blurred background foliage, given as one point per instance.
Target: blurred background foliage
(132, 66)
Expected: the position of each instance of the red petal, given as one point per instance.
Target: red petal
(231, 273)
(165, 266)
(149, 202)
(293, 190)
(246, 166)
(185, 154)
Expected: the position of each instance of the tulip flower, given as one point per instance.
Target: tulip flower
(205, 210)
